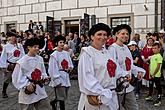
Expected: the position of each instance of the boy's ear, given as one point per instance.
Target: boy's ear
(92, 37)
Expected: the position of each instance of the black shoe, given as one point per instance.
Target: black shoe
(4, 95)
(53, 104)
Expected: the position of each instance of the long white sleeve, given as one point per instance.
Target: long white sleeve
(19, 80)
(88, 84)
(44, 74)
(22, 51)
(3, 58)
(53, 71)
(136, 70)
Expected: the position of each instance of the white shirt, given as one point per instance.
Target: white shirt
(10, 53)
(141, 44)
(55, 68)
(121, 53)
(95, 79)
(23, 70)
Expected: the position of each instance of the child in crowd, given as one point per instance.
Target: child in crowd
(155, 74)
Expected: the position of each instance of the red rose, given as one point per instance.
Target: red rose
(128, 64)
(36, 75)
(17, 53)
(111, 67)
(64, 64)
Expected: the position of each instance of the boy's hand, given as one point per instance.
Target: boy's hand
(152, 76)
(140, 75)
(30, 89)
(145, 60)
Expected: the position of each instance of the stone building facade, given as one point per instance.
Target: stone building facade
(140, 14)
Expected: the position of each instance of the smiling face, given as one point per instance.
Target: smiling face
(99, 38)
(133, 47)
(122, 35)
(155, 49)
(33, 50)
(61, 44)
(150, 42)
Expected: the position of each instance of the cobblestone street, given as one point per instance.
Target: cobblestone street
(72, 102)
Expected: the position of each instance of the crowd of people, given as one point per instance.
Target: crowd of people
(112, 66)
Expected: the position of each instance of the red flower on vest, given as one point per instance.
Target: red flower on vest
(36, 75)
(64, 64)
(128, 64)
(17, 53)
(111, 67)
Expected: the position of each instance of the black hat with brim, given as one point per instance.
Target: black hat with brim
(12, 32)
(120, 27)
(34, 41)
(97, 27)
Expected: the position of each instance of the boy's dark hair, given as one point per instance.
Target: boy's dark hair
(149, 34)
(157, 44)
(85, 37)
(157, 35)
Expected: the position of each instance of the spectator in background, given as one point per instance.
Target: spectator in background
(66, 48)
(30, 27)
(71, 44)
(155, 74)
(155, 36)
(148, 35)
(58, 33)
(3, 38)
(50, 45)
(40, 26)
(137, 62)
(146, 53)
(35, 27)
(76, 41)
(67, 39)
(163, 66)
(139, 42)
(84, 42)
(162, 41)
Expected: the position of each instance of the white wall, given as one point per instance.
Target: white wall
(24, 10)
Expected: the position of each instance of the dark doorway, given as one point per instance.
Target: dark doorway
(71, 26)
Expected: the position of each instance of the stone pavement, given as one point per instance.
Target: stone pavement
(72, 102)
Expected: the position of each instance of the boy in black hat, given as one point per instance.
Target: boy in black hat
(11, 53)
(124, 58)
(29, 77)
